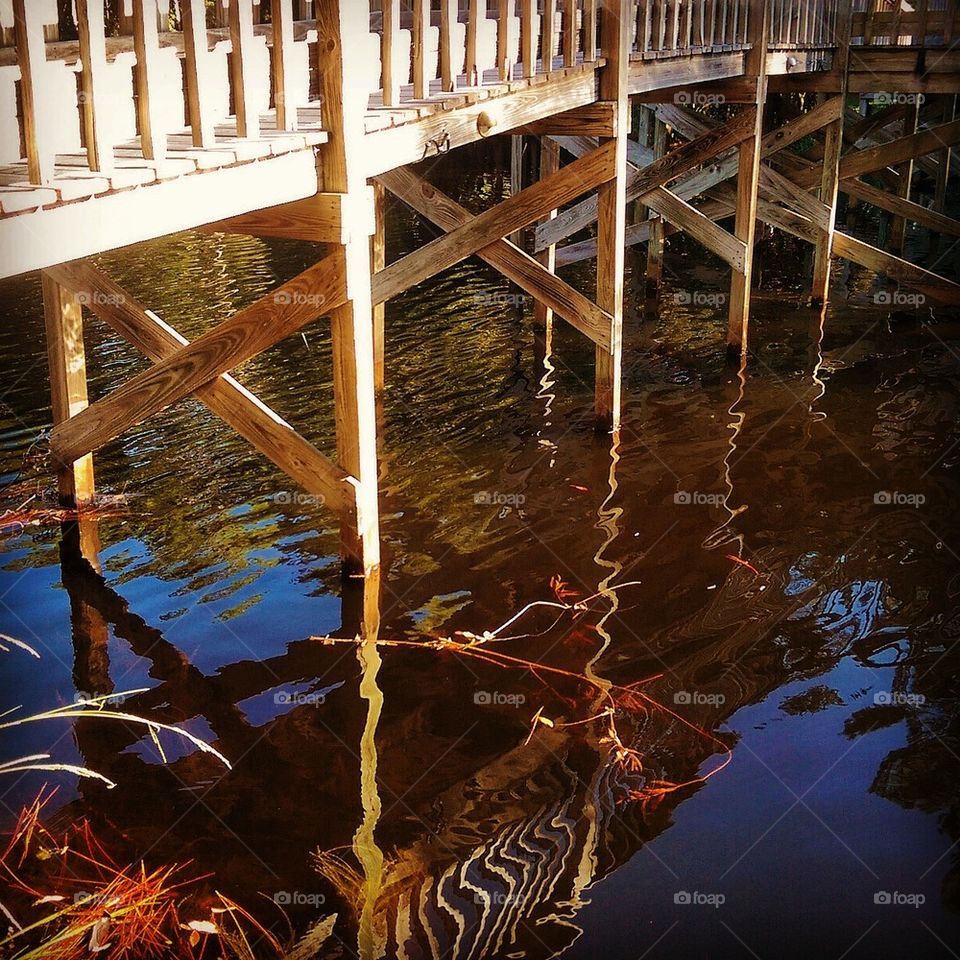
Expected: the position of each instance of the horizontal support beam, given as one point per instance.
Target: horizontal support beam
(73, 231)
(229, 400)
(522, 269)
(323, 218)
(512, 214)
(448, 129)
(594, 120)
(311, 294)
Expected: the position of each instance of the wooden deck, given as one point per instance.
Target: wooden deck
(289, 119)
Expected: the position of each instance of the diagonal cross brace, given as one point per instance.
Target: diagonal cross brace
(315, 292)
(230, 401)
(513, 262)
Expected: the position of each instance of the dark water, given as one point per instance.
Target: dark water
(829, 665)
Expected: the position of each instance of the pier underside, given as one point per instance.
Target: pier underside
(649, 118)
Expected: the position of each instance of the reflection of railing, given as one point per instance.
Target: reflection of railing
(897, 22)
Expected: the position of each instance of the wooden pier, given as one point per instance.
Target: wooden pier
(294, 119)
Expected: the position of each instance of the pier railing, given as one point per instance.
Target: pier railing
(920, 23)
(171, 86)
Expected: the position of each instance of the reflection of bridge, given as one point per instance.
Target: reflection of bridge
(278, 128)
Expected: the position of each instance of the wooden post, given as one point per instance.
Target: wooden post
(943, 171)
(504, 9)
(516, 176)
(32, 60)
(421, 26)
(448, 21)
(153, 135)
(342, 27)
(830, 178)
(378, 260)
(63, 321)
(612, 213)
(898, 227)
(194, 17)
(240, 16)
(93, 106)
(655, 245)
(748, 179)
(281, 15)
(542, 314)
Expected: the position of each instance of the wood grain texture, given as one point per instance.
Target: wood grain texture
(493, 224)
(230, 401)
(513, 263)
(153, 133)
(311, 294)
(66, 359)
(94, 106)
(31, 57)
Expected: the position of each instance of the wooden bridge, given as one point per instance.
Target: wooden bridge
(293, 119)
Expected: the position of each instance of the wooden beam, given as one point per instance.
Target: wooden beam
(701, 228)
(897, 151)
(493, 224)
(66, 359)
(513, 263)
(315, 292)
(32, 60)
(656, 232)
(284, 97)
(658, 174)
(593, 120)
(94, 106)
(230, 401)
(830, 176)
(905, 208)
(748, 180)
(240, 15)
(324, 218)
(378, 260)
(153, 132)
(193, 14)
(936, 287)
(898, 228)
(542, 312)
(615, 27)
(343, 28)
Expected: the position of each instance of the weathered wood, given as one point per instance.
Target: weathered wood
(897, 151)
(240, 15)
(230, 401)
(748, 180)
(342, 28)
(66, 359)
(548, 30)
(323, 218)
(594, 120)
(378, 260)
(528, 37)
(153, 133)
(193, 15)
(421, 24)
(549, 164)
(94, 107)
(513, 263)
(701, 228)
(612, 211)
(659, 173)
(315, 292)
(936, 287)
(31, 57)
(898, 228)
(657, 234)
(504, 14)
(493, 224)
(570, 32)
(893, 203)
(448, 20)
(285, 100)
(476, 13)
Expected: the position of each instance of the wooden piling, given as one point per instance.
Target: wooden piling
(542, 314)
(612, 211)
(748, 178)
(66, 359)
(342, 25)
